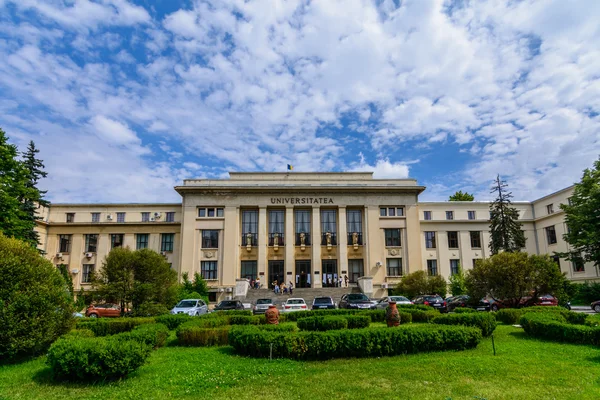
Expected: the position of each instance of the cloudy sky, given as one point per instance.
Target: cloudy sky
(127, 98)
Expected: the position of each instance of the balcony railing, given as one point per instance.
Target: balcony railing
(359, 239)
(253, 239)
(278, 236)
(333, 239)
(306, 239)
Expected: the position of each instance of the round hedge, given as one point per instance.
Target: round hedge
(555, 327)
(35, 304)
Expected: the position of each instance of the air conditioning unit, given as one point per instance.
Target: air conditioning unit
(378, 264)
(75, 271)
(164, 253)
(229, 290)
(156, 215)
(152, 219)
(88, 255)
(109, 217)
(384, 285)
(59, 255)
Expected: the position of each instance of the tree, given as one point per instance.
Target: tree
(419, 283)
(115, 281)
(460, 196)
(457, 283)
(32, 197)
(193, 289)
(505, 230)
(582, 216)
(35, 304)
(510, 277)
(12, 189)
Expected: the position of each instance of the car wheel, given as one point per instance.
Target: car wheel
(93, 315)
(597, 308)
(494, 307)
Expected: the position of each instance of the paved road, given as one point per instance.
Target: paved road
(582, 309)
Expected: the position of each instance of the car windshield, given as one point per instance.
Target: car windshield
(226, 303)
(295, 301)
(357, 297)
(323, 300)
(186, 304)
(433, 298)
(264, 301)
(398, 298)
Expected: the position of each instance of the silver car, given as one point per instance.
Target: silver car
(262, 305)
(191, 307)
(383, 303)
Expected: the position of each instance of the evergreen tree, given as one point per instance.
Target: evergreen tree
(13, 221)
(460, 196)
(456, 283)
(32, 197)
(505, 230)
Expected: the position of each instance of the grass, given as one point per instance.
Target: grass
(523, 368)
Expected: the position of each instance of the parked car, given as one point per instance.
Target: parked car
(383, 303)
(432, 300)
(193, 307)
(227, 305)
(458, 301)
(528, 301)
(596, 306)
(262, 305)
(356, 301)
(293, 304)
(320, 303)
(484, 305)
(104, 310)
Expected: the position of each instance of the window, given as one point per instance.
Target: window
(550, 208)
(551, 235)
(356, 269)
(394, 266)
(206, 212)
(249, 227)
(400, 211)
(276, 227)
(328, 226)
(120, 217)
(427, 215)
(569, 201)
(391, 212)
(454, 266)
(430, 240)
(491, 215)
(392, 237)
(382, 212)
(578, 265)
(210, 239)
(70, 217)
(64, 243)
(475, 239)
(208, 269)
(116, 240)
(471, 214)
(219, 212)
(210, 212)
(202, 212)
(449, 215)
(432, 267)
(170, 217)
(145, 217)
(354, 225)
(302, 227)
(453, 240)
(249, 270)
(95, 217)
(166, 242)
(141, 241)
(556, 259)
(87, 271)
(91, 243)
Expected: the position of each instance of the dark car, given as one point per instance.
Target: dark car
(226, 305)
(323, 303)
(355, 301)
(484, 305)
(596, 306)
(432, 300)
(458, 301)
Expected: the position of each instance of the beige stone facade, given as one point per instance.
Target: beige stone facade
(308, 228)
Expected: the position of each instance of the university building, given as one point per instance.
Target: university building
(308, 228)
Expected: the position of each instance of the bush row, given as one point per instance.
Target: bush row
(484, 321)
(191, 335)
(106, 326)
(369, 342)
(511, 316)
(154, 335)
(322, 323)
(553, 326)
(464, 310)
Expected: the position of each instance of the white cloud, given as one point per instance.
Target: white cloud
(114, 132)
(383, 169)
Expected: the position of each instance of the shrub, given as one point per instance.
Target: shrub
(105, 326)
(369, 342)
(243, 320)
(172, 321)
(95, 358)
(464, 310)
(195, 336)
(553, 326)
(414, 307)
(484, 321)
(219, 314)
(592, 320)
(206, 322)
(508, 316)
(75, 333)
(35, 304)
(285, 327)
(511, 316)
(419, 315)
(322, 323)
(358, 321)
(150, 310)
(154, 335)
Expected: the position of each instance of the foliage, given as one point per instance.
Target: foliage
(32, 197)
(484, 321)
(460, 196)
(196, 289)
(154, 335)
(172, 321)
(322, 323)
(369, 342)
(505, 229)
(106, 326)
(508, 316)
(149, 309)
(358, 321)
(511, 316)
(464, 310)
(95, 358)
(66, 275)
(196, 336)
(512, 276)
(419, 283)
(553, 326)
(79, 333)
(582, 216)
(243, 320)
(35, 304)
(456, 282)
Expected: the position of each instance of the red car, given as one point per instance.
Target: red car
(103, 310)
(544, 300)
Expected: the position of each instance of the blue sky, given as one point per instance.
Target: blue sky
(127, 98)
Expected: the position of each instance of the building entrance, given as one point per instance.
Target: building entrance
(330, 273)
(355, 270)
(276, 273)
(302, 274)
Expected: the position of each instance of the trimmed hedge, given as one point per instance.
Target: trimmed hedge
(322, 323)
(195, 336)
(511, 316)
(508, 316)
(484, 321)
(77, 333)
(218, 314)
(172, 321)
(370, 342)
(464, 310)
(106, 326)
(421, 307)
(553, 326)
(375, 315)
(419, 315)
(95, 358)
(154, 335)
(358, 321)
(243, 320)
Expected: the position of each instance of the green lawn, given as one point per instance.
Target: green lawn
(522, 369)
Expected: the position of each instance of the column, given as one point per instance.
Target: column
(263, 242)
(414, 260)
(229, 258)
(315, 237)
(290, 241)
(342, 241)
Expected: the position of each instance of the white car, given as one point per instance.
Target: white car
(193, 307)
(383, 303)
(294, 304)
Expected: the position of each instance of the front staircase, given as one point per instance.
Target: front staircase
(308, 294)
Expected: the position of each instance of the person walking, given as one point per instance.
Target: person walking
(341, 282)
(346, 280)
(291, 288)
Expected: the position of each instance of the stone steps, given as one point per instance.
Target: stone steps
(308, 294)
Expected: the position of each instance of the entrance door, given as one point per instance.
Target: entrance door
(276, 273)
(356, 270)
(330, 274)
(303, 274)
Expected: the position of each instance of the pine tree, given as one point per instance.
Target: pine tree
(33, 197)
(505, 230)
(12, 188)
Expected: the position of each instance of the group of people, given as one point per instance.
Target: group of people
(254, 284)
(281, 288)
(339, 282)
